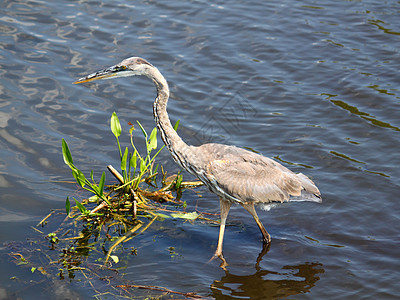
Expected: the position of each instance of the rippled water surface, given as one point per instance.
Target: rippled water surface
(314, 84)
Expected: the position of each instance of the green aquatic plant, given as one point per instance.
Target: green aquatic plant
(134, 166)
(97, 189)
(132, 170)
(127, 207)
(96, 232)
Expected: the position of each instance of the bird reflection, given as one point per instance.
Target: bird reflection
(264, 251)
(265, 284)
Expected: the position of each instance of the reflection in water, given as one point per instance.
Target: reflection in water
(363, 115)
(379, 24)
(266, 284)
(354, 110)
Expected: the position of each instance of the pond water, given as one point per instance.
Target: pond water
(313, 84)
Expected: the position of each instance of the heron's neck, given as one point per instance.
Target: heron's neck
(178, 148)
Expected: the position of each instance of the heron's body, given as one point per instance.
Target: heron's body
(234, 174)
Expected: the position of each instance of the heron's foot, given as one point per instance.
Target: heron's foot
(267, 241)
(266, 237)
(221, 257)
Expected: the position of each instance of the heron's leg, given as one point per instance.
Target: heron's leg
(250, 208)
(225, 206)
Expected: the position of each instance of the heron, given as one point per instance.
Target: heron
(234, 174)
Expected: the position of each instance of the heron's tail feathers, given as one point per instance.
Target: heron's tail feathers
(306, 196)
(310, 191)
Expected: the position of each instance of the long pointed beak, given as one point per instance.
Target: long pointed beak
(103, 74)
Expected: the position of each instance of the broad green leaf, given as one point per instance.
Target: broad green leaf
(79, 177)
(153, 140)
(134, 161)
(33, 269)
(176, 125)
(179, 179)
(67, 154)
(142, 166)
(95, 188)
(80, 206)
(115, 125)
(124, 159)
(144, 131)
(114, 258)
(187, 216)
(67, 206)
(101, 183)
(94, 198)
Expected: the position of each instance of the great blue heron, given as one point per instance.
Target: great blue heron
(234, 174)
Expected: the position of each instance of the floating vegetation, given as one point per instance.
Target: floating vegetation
(86, 241)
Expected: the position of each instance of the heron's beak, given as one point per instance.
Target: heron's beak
(103, 74)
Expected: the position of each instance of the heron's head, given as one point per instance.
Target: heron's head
(128, 67)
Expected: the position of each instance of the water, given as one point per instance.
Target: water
(313, 84)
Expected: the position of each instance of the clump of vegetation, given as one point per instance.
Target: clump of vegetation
(129, 205)
(96, 227)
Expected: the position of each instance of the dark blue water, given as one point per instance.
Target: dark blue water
(314, 84)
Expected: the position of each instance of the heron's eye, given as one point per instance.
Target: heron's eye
(119, 68)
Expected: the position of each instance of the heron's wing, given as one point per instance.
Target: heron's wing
(248, 176)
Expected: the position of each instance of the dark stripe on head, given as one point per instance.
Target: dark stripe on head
(142, 61)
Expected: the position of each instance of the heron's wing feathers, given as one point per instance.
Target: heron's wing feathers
(251, 177)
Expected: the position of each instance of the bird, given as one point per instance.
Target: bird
(234, 174)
